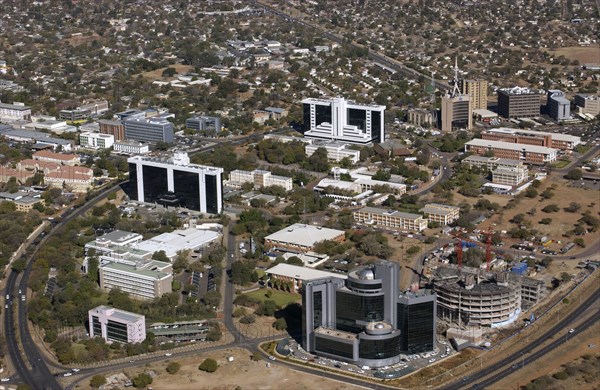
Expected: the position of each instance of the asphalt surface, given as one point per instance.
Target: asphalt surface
(501, 368)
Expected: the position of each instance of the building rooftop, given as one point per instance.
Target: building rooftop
(179, 159)
(534, 133)
(511, 146)
(492, 160)
(118, 236)
(178, 240)
(118, 314)
(55, 156)
(518, 91)
(436, 208)
(395, 213)
(14, 106)
(302, 273)
(335, 333)
(304, 235)
(152, 269)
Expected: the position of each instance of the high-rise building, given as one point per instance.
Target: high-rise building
(559, 107)
(176, 182)
(153, 129)
(114, 128)
(117, 325)
(356, 319)
(518, 102)
(477, 91)
(456, 108)
(417, 311)
(341, 119)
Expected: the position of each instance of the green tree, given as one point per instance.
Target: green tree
(97, 381)
(280, 324)
(142, 380)
(173, 368)
(160, 256)
(209, 365)
(574, 174)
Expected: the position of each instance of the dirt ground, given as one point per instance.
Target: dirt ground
(586, 343)
(157, 74)
(585, 55)
(242, 373)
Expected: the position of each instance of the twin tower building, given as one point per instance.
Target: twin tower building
(365, 319)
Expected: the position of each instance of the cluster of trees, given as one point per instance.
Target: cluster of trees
(280, 152)
(371, 243)
(15, 227)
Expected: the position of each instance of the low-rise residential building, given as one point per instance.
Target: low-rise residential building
(335, 151)
(390, 219)
(132, 148)
(117, 325)
(441, 213)
(302, 237)
(512, 176)
(57, 158)
(96, 140)
(532, 137)
(146, 280)
(260, 178)
(530, 154)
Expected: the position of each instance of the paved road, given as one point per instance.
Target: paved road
(39, 376)
(500, 369)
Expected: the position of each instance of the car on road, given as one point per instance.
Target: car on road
(571, 330)
(4, 379)
(271, 357)
(68, 374)
(168, 354)
(75, 369)
(132, 361)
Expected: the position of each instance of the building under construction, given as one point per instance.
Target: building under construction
(471, 297)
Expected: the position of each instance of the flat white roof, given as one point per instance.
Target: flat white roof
(178, 240)
(302, 273)
(556, 136)
(511, 146)
(304, 235)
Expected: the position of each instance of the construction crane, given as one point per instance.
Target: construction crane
(460, 242)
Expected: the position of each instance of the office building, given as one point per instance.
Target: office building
(421, 117)
(144, 280)
(114, 128)
(390, 219)
(301, 237)
(343, 120)
(440, 213)
(356, 319)
(512, 176)
(75, 179)
(335, 151)
(518, 102)
(477, 91)
(532, 137)
(456, 113)
(96, 140)
(57, 158)
(298, 275)
(95, 107)
(14, 112)
(176, 182)
(172, 243)
(40, 140)
(417, 313)
(529, 154)
(153, 129)
(210, 123)
(260, 178)
(132, 148)
(117, 325)
(588, 104)
(74, 115)
(558, 106)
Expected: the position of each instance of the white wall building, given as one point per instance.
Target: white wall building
(96, 140)
(260, 178)
(335, 151)
(117, 325)
(344, 120)
(131, 147)
(145, 280)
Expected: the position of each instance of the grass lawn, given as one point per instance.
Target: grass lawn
(560, 164)
(281, 298)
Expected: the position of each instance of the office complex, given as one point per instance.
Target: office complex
(491, 163)
(14, 112)
(529, 154)
(440, 213)
(298, 275)
(477, 91)
(176, 182)
(260, 178)
(131, 148)
(117, 325)
(512, 176)
(153, 129)
(96, 140)
(301, 237)
(211, 123)
(558, 106)
(518, 102)
(147, 279)
(114, 128)
(588, 104)
(360, 319)
(532, 137)
(456, 108)
(336, 151)
(340, 119)
(390, 219)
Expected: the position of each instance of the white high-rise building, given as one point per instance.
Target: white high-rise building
(344, 120)
(176, 182)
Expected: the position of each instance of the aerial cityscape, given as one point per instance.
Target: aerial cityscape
(302, 194)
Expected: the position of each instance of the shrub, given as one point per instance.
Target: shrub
(561, 375)
(551, 208)
(173, 368)
(546, 221)
(248, 319)
(208, 365)
(97, 381)
(142, 380)
(239, 312)
(413, 249)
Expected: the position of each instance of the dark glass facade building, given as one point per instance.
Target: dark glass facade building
(176, 182)
(364, 319)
